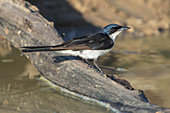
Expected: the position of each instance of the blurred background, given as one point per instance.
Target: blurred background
(142, 54)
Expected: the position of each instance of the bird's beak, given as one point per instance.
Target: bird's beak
(124, 28)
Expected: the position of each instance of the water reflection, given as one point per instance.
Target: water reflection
(21, 92)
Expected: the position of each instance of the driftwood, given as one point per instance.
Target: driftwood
(21, 24)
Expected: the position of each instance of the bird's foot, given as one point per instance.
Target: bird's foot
(98, 70)
(102, 73)
(91, 67)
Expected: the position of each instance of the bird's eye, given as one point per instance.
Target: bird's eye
(114, 29)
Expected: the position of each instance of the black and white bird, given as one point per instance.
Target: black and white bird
(87, 47)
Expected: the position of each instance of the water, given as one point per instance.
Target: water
(147, 61)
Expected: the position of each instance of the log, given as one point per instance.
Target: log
(21, 24)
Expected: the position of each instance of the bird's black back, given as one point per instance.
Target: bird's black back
(98, 41)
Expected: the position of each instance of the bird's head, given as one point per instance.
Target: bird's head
(113, 30)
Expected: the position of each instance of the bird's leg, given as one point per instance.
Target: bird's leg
(87, 61)
(95, 66)
(89, 65)
(98, 68)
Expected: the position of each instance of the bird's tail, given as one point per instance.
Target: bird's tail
(42, 48)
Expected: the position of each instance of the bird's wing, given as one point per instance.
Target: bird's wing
(98, 41)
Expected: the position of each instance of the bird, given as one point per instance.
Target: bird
(87, 47)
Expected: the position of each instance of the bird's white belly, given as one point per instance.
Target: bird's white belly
(87, 54)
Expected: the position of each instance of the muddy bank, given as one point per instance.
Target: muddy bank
(79, 17)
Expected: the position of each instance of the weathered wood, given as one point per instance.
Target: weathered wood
(22, 24)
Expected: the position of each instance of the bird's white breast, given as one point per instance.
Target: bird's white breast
(87, 54)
